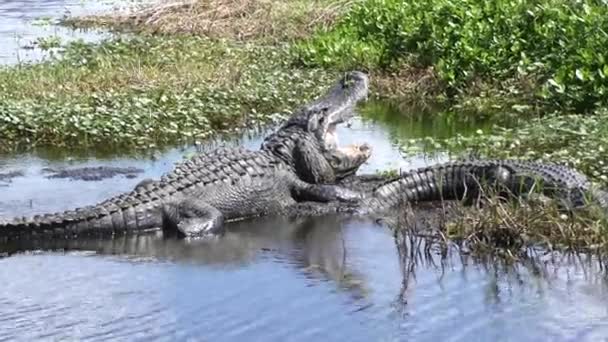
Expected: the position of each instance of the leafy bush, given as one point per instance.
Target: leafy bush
(559, 45)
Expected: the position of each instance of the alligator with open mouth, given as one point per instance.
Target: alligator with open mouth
(299, 171)
(296, 163)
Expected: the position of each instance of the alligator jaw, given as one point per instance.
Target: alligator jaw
(346, 160)
(338, 107)
(330, 138)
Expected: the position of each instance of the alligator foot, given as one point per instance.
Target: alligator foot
(191, 219)
(325, 193)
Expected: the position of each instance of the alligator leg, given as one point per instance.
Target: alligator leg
(311, 165)
(191, 218)
(303, 191)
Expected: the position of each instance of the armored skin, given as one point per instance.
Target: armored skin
(229, 183)
(458, 180)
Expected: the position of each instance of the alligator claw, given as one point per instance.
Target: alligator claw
(346, 195)
(195, 228)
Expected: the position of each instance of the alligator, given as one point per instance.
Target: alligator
(296, 163)
(91, 173)
(87, 174)
(455, 180)
(462, 180)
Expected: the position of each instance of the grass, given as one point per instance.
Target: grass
(262, 22)
(539, 266)
(511, 229)
(150, 90)
(269, 21)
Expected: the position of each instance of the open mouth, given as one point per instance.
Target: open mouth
(353, 152)
(331, 137)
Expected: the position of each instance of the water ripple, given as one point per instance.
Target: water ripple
(267, 279)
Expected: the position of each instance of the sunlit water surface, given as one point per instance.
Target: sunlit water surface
(267, 279)
(24, 23)
(272, 278)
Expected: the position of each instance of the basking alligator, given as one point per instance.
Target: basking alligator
(229, 183)
(460, 180)
(291, 167)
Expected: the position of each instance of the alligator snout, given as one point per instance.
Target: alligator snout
(357, 151)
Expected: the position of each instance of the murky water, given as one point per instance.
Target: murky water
(24, 23)
(267, 279)
(276, 279)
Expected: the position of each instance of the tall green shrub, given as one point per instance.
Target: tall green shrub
(561, 45)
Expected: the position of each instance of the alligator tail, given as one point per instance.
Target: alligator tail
(450, 181)
(466, 179)
(111, 217)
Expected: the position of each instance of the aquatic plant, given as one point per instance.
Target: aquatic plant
(507, 228)
(149, 90)
(511, 228)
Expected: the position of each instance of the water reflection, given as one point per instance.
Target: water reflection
(276, 279)
(24, 22)
(316, 246)
(280, 279)
(405, 123)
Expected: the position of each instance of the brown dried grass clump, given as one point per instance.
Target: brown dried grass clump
(511, 229)
(269, 20)
(411, 85)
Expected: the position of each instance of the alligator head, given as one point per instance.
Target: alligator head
(308, 140)
(333, 109)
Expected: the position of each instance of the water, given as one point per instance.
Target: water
(267, 279)
(24, 22)
(276, 279)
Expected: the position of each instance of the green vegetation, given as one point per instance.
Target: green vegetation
(192, 70)
(510, 229)
(149, 90)
(547, 53)
(507, 57)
